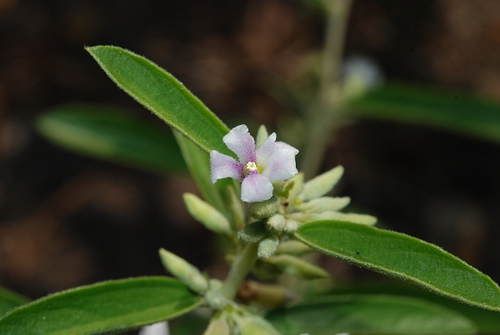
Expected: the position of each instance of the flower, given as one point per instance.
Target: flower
(258, 167)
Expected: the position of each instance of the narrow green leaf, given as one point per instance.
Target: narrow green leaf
(113, 305)
(453, 111)
(198, 163)
(163, 95)
(111, 134)
(369, 314)
(402, 256)
(10, 300)
(487, 322)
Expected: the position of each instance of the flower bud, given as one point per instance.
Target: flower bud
(321, 184)
(323, 204)
(298, 267)
(184, 271)
(293, 247)
(218, 327)
(333, 216)
(262, 136)
(267, 247)
(276, 223)
(291, 226)
(264, 209)
(253, 232)
(254, 325)
(210, 217)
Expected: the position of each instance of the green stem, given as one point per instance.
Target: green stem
(241, 267)
(323, 113)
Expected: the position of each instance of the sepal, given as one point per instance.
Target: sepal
(322, 184)
(210, 217)
(297, 267)
(184, 271)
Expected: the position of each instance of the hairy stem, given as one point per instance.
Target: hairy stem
(323, 112)
(242, 265)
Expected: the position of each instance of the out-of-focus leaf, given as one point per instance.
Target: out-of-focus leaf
(9, 300)
(113, 135)
(452, 111)
(487, 322)
(164, 95)
(103, 307)
(404, 257)
(369, 315)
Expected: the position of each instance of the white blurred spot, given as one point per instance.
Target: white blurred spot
(160, 328)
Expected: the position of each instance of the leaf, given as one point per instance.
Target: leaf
(163, 95)
(487, 322)
(402, 256)
(113, 305)
(111, 134)
(9, 300)
(369, 314)
(453, 111)
(198, 163)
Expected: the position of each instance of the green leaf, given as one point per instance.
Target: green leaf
(162, 94)
(113, 305)
(402, 256)
(111, 134)
(369, 314)
(453, 111)
(198, 163)
(487, 322)
(9, 300)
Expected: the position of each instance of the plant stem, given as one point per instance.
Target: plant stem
(323, 112)
(241, 267)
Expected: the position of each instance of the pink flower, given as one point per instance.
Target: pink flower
(257, 168)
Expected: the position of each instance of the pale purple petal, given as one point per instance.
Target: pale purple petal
(277, 159)
(256, 188)
(223, 166)
(241, 143)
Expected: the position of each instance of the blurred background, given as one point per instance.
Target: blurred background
(68, 219)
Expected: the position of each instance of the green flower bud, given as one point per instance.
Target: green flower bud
(184, 271)
(267, 247)
(264, 209)
(298, 186)
(293, 247)
(210, 217)
(276, 223)
(254, 325)
(297, 267)
(321, 184)
(261, 137)
(336, 216)
(253, 233)
(291, 226)
(218, 327)
(323, 204)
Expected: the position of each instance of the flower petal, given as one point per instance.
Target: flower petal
(223, 166)
(256, 188)
(277, 159)
(241, 143)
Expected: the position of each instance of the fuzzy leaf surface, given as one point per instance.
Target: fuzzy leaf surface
(162, 94)
(10, 300)
(369, 315)
(103, 307)
(402, 256)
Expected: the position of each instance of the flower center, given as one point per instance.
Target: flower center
(249, 168)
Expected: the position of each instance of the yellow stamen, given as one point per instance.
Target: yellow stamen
(250, 167)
